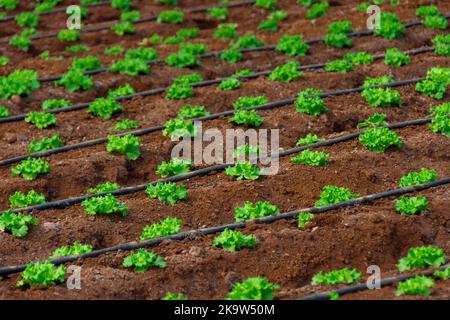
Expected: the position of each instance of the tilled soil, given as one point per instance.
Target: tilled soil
(351, 237)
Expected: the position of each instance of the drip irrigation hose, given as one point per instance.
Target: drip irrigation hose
(139, 21)
(140, 132)
(207, 170)
(363, 286)
(204, 83)
(56, 10)
(4, 271)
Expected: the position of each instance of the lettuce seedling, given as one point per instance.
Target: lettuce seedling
(442, 44)
(332, 195)
(87, 63)
(377, 120)
(130, 16)
(77, 48)
(104, 187)
(192, 112)
(144, 54)
(242, 73)
(256, 288)
(304, 218)
(31, 168)
(243, 171)
(51, 104)
(17, 224)
(359, 58)
(419, 285)
(45, 144)
(415, 178)
(292, 45)
(247, 41)
(122, 5)
(21, 41)
(19, 82)
(421, 257)
(411, 205)
(173, 167)
(68, 35)
(46, 56)
(336, 277)
(188, 33)
(245, 151)
(255, 210)
(4, 60)
(42, 274)
(396, 58)
(390, 26)
(338, 40)
(130, 67)
(164, 228)
(436, 83)
(230, 84)
(249, 102)
(142, 260)
(382, 97)
(167, 192)
(171, 17)
(4, 112)
(317, 10)
(41, 120)
(177, 128)
(310, 138)
(437, 22)
(105, 205)
(343, 26)
(312, 158)
(247, 118)
(308, 103)
(75, 249)
(27, 19)
(104, 108)
(114, 50)
(431, 10)
(287, 72)
(268, 25)
(339, 65)
(440, 124)
(231, 240)
(443, 274)
(182, 59)
(9, 4)
(75, 80)
(226, 31)
(127, 145)
(125, 124)
(218, 12)
(122, 91)
(174, 296)
(379, 139)
(266, 4)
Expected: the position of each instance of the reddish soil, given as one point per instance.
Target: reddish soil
(352, 237)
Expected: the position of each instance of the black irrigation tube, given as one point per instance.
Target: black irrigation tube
(140, 21)
(204, 83)
(57, 10)
(5, 271)
(268, 106)
(363, 286)
(212, 54)
(64, 203)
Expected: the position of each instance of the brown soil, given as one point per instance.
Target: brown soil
(352, 237)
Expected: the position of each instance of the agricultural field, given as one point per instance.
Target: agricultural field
(344, 194)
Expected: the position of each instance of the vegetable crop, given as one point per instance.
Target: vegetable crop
(336, 277)
(255, 210)
(231, 240)
(411, 205)
(42, 274)
(142, 260)
(20, 200)
(332, 195)
(165, 227)
(256, 288)
(127, 145)
(31, 168)
(167, 192)
(379, 139)
(105, 205)
(243, 171)
(17, 224)
(421, 257)
(52, 142)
